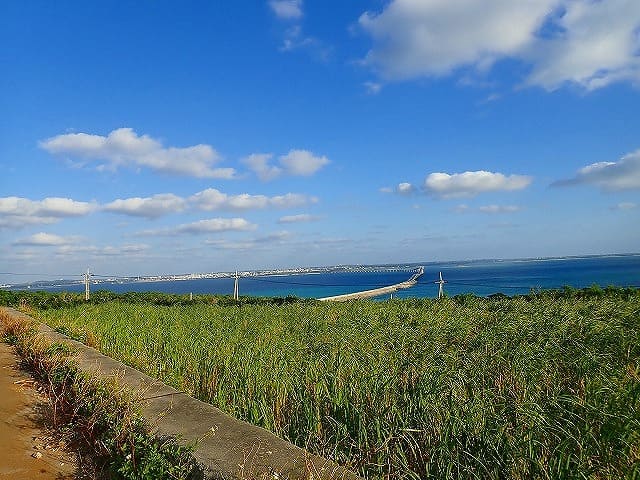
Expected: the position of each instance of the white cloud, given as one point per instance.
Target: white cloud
(287, 9)
(609, 176)
(213, 225)
(123, 147)
(489, 209)
(295, 163)
(469, 184)
(434, 37)
(62, 207)
(625, 206)
(302, 162)
(16, 212)
(149, 207)
(48, 207)
(290, 200)
(212, 199)
(46, 240)
(405, 188)
(585, 42)
(130, 251)
(275, 237)
(133, 251)
(373, 88)
(386, 190)
(300, 218)
(252, 245)
(598, 44)
(222, 244)
(294, 38)
(492, 97)
(134, 248)
(259, 163)
(492, 209)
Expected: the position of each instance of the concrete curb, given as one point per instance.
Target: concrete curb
(226, 448)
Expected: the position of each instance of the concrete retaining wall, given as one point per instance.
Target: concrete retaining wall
(226, 448)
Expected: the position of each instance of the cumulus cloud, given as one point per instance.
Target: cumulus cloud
(48, 207)
(469, 184)
(290, 200)
(585, 42)
(124, 148)
(259, 164)
(19, 212)
(295, 163)
(287, 9)
(293, 36)
(149, 207)
(302, 162)
(435, 37)
(597, 44)
(300, 218)
(16, 212)
(405, 188)
(215, 225)
(46, 240)
(212, 225)
(609, 176)
(212, 199)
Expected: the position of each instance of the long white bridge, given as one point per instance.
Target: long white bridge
(377, 291)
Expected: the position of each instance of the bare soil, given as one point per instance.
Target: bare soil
(29, 448)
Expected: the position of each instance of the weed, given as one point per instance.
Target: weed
(543, 385)
(101, 417)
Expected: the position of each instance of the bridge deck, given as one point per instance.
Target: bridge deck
(376, 291)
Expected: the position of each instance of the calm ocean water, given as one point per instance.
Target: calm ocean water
(482, 277)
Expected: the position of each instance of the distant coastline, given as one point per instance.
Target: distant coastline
(515, 276)
(217, 275)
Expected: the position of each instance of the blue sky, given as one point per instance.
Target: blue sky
(170, 137)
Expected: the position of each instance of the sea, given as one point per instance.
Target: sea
(479, 277)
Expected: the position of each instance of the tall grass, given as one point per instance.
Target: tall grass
(541, 386)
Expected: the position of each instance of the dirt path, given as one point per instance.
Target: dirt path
(26, 450)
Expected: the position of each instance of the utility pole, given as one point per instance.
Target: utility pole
(236, 291)
(86, 284)
(440, 283)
